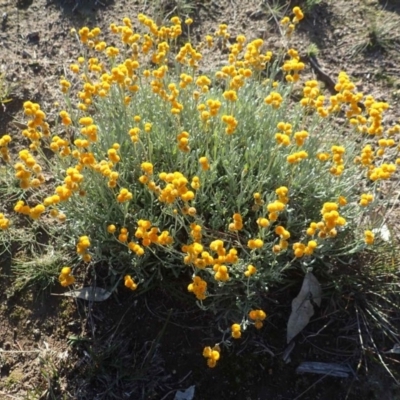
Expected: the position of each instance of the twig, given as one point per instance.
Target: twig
(317, 333)
(19, 351)
(319, 380)
(379, 354)
(361, 341)
(10, 396)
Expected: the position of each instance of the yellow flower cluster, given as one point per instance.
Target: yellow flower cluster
(205, 166)
(300, 249)
(251, 270)
(289, 25)
(300, 137)
(367, 156)
(175, 188)
(4, 222)
(257, 316)
(255, 244)
(221, 272)
(258, 201)
(236, 333)
(293, 66)
(195, 184)
(366, 199)
(123, 235)
(134, 134)
(198, 287)
(25, 170)
(346, 96)
(284, 235)
(212, 355)
(337, 159)
(124, 195)
(203, 82)
(222, 31)
(82, 247)
(274, 209)
(60, 145)
(89, 129)
(274, 99)
(64, 85)
(383, 145)
(331, 219)
(236, 48)
(282, 193)
(383, 172)
(113, 155)
(196, 255)
(183, 142)
(129, 282)
(4, 141)
(136, 248)
(37, 125)
(72, 183)
(231, 123)
(262, 222)
(85, 34)
(369, 237)
(187, 55)
(146, 233)
(253, 56)
(283, 138)
(34, 212)
(146, 179)
(310, 94)
(237, 223)
(235, 76)
(298, 15)
(296, 157)
(213, 109)
(65, 277)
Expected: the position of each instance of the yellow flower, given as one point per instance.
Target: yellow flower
(369, 237)
(230, 95)
(111, 228)
(198, 287)
(124, 195)
(298, 14)
(258, 316)
(255, 244)
(205, 166)
(251, 270)
(212, 355)
(65, 277)
(129, 283)
(147, 168)
(236, 333)
(263, 222)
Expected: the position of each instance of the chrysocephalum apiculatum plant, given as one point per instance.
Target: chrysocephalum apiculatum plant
(219, 176)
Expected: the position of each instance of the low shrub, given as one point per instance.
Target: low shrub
(168, 168)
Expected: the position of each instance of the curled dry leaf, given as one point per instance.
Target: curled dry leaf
(303, 305)
(88, 293)
(331, 369)
(187, 394)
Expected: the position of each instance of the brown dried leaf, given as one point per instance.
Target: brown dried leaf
(302, 305)
(88, 293)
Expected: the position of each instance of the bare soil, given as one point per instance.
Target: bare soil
(148, 346)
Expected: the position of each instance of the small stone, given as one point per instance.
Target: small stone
(36, 334)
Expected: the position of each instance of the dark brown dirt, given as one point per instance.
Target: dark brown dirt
(133, 347)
